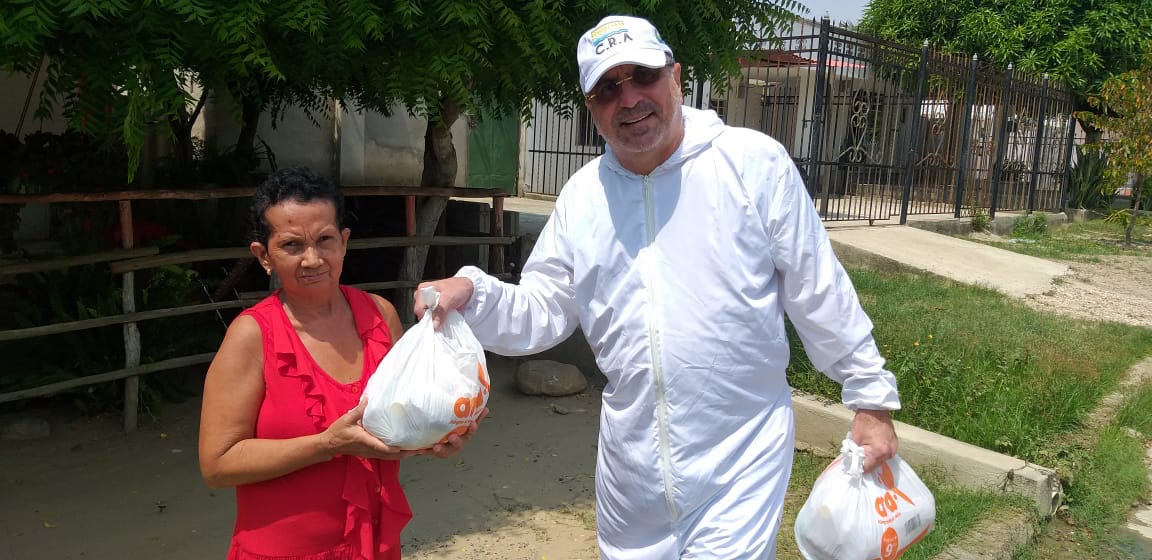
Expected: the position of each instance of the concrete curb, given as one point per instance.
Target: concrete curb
(993, 539)
(821, 427)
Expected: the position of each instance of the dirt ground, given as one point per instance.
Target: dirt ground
(1104, 290)
(521, 490)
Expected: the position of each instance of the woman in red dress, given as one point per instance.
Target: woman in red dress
(280, 419)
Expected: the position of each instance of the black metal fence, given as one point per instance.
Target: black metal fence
(880, 130)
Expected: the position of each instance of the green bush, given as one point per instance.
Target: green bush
(1087, 188)
(89, 292)
(1031, 225)
(980, 220)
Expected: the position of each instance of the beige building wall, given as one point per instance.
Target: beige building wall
(358, 148)
(14, 90)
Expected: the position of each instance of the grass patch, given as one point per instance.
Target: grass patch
(1112, 479)
(980, 367)
(1137, 411)
(957, 510)
(1083, 242)
(1100, 498)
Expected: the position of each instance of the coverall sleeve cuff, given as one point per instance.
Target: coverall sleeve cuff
(480, 291)
(866, 384)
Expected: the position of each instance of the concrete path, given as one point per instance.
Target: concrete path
(964, 261)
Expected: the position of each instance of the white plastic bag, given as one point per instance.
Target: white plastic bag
(430, 384)
(855, 516)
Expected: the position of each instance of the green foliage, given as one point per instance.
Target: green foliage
(980, 220)
(113, 66)
(88, 293)
(1085, 242)
(1125, 103)
(1031, 225)
(1079, 43)
(1087, 188)
(1124, 217)
(67, 162)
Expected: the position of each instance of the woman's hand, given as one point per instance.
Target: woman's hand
(347, 436)
(454, 442)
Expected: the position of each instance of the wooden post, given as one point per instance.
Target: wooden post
(131, 332)
(496, 252)
(410, 215)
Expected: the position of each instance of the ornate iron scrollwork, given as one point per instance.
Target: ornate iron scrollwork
(856, 152)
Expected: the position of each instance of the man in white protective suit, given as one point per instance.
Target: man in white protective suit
(679, 252)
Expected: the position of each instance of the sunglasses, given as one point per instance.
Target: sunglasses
(607, 91)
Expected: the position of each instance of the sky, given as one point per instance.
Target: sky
(838, 10)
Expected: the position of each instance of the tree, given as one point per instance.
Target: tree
(117, 65)
(113, 66)
(1079, 42)
(1125, 105)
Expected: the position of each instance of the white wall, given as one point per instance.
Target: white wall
(389, 150)
(13, 94)
(357, 148)
(294, 140)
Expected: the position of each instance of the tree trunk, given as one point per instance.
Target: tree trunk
(1137, 195)
(181, 125)
(250, 109)
(439, 171)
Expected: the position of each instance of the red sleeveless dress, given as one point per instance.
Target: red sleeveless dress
(348, 508)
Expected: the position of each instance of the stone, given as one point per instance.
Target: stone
(546, 377)
(27, 428)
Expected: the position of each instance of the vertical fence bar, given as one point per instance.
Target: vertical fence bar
(1039, 141)
(1067, 175)
(914, 143)
(131, 331)
(818, 114)
(1002, 143)
(963, 158)
(496, 251)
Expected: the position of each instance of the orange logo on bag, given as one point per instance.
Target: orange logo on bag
(889, 544)
(887, 504)
(465, 406)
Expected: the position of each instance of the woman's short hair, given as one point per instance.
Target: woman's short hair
(292, 183)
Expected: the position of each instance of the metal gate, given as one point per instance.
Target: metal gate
(879, 130)
(558, 141)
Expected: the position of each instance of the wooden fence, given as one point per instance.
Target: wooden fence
(128, 259)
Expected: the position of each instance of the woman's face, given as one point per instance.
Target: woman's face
(305, 246)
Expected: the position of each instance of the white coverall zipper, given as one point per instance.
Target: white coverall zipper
(654, 336)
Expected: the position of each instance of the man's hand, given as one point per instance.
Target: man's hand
(873, 430)
(454, 442)
(454, 295)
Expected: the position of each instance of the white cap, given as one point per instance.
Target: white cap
(619, 40)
